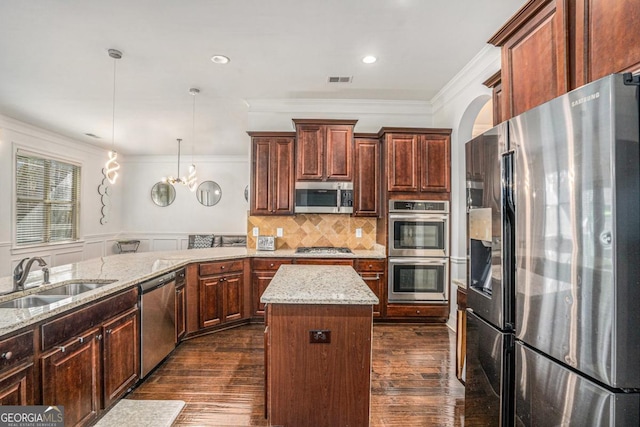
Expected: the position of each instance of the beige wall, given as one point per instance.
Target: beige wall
(314, 230)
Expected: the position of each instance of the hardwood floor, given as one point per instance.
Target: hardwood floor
(221, 378)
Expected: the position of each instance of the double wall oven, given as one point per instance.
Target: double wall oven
(418, 251)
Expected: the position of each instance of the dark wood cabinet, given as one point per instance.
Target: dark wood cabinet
(181, 317)
(534, 56)
(417, 160)
(272, 173)
(91, 357)
(221, 292)
(366, 186)
(71, 377)
(16, 370)
(120, 355)
(550, 47)
(495, 84)
(324, 150)
(262, 271)
(372, 272)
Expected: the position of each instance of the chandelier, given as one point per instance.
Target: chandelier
(111, 167)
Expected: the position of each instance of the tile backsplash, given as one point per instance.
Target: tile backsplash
(314, 230)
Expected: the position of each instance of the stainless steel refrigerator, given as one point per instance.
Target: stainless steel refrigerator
(574, 259)
(577, 246)
(490, 361)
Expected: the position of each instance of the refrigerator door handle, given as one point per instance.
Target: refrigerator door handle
(508, 238)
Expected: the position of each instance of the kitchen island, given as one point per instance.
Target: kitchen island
(318, 332)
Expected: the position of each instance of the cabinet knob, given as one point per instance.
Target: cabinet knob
(221, 280)
(61, 348)
(7, 356)
(81, 340)
(417, 311)
(109, 331)
(272, 265)
(222, 267)
(99, 337)
(370, 266)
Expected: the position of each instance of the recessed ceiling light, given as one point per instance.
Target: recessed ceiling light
(369, 59)
(220, 59)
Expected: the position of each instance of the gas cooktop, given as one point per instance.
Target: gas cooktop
(324, 250)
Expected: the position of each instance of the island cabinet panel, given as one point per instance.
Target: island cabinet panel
(262, 271)
(372, 272)
(272, 173)
(318, 384)
(120, 356)
(71, 378)
(366, 186)
(324, 150)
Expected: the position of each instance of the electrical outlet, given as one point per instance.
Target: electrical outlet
(279, 232)
(256, 231)
(320, 337)
(358, 232)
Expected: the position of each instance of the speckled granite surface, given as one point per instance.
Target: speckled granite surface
(142, 413)
(318, 284)
(126, 270)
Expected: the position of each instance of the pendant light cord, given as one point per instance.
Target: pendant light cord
(113, 112)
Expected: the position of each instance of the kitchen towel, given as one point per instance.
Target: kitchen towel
(142, 413)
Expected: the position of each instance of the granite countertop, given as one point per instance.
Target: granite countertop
(318, 284)
(126, 271)
(461, 283)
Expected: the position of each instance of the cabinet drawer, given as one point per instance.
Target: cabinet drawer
(270, 263)
(436, 311)
(15, 349)
(74, 324)
(209, 268)
(364, 265)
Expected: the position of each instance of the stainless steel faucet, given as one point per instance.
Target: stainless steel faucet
(21, 273)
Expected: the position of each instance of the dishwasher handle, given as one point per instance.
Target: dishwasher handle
(158, 282)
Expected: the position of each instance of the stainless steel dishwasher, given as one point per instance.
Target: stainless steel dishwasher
(157, 321)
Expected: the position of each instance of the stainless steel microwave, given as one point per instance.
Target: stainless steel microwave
(324, 197)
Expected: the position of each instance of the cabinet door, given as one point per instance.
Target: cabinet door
(281, 190)
(211, 301)
(534, 60)
(233, 284)
(259, 282)
(367, 178)
(376, 283)
(121, 355)
(402, 162)
(181, 318)
(339, 151)
(434, 163)
(71, 376)
(309, 152)
(262, 179)
(16, 387)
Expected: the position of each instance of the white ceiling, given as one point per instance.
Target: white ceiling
(55, 72)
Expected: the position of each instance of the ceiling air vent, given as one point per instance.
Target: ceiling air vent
(340, 79)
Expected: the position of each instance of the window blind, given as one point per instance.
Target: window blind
(46, 200)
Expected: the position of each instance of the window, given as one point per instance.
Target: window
(46, 200)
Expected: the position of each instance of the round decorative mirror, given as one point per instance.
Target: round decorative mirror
(163, 194)
(209, 193)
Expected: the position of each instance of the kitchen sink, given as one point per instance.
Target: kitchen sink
(76, 287)
(32, 301)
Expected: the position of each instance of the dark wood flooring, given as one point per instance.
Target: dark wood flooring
(221, 378)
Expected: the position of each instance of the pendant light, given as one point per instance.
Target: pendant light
(112, 166)
(177, 179)
(192, 179)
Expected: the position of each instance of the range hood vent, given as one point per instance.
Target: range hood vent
(340, 79)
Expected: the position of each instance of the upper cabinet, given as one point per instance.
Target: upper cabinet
(272, 176)
(534, 55)
(324, 150)
(417, 160)
(366, 186)
(550, 47)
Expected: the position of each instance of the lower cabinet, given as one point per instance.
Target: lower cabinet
(71, 377)
(16, 370)
(91, 357)
(221, 292)
(262, 271)
(372, 272)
